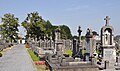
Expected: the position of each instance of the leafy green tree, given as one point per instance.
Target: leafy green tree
(82, 37)
(10, 26)
(75, 37)
(95, 33)
(65, 32)
(48, 27)
(34, 24)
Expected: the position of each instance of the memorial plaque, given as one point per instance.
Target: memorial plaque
(109, 54)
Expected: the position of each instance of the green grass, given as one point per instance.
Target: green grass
(33, 56)
(69, 52)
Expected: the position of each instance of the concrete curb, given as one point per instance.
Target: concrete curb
(8, 48)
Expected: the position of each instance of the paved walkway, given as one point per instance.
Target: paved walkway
(16, 59)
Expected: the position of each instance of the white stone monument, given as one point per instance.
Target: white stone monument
(107, 43)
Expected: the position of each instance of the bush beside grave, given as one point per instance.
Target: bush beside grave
(69, 52)
(0, 54)
(9, 45)
(27, 45)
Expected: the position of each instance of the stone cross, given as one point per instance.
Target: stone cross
(79, 34)
(79, 31)
(107, 20)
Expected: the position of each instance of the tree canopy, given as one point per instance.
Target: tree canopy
(36, 26)
(95, 33)
(9, 26)
(65, 32)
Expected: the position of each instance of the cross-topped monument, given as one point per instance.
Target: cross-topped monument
(79, 30)
(108, 44)
(107, 20)
(79, 34)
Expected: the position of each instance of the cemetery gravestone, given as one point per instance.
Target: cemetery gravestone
(79, 47)
(107, 43)
(58, 62)
(89, 50)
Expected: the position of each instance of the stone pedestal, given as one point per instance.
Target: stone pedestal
(109, 54)
(106, 65)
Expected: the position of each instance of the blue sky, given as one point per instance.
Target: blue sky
(86, 13)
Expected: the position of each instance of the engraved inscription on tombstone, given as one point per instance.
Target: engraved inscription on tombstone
(109, 54)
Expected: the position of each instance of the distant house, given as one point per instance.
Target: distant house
(21, 40)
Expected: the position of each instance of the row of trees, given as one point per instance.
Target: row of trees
(35, 26)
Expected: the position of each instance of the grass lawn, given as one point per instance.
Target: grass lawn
(33, 56)
(69, 52)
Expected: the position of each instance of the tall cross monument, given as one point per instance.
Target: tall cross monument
(107, 43)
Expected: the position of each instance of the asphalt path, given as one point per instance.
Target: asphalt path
(17, 59)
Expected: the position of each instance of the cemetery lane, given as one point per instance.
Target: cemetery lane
(17, 59)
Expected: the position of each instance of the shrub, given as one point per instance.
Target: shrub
(0, 54)
(9, 45)
(27, 45)
(69, 52)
